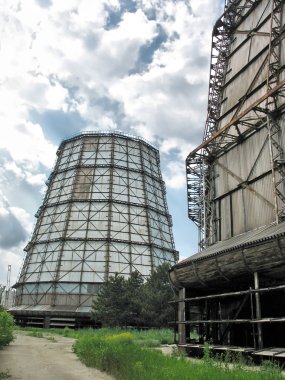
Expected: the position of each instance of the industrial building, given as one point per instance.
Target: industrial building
(232, 291)
(104, 213)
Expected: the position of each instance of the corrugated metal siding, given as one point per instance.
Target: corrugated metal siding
(247, 48)
(243, 163)
(243, 183)
(243, 179)
(243, 240)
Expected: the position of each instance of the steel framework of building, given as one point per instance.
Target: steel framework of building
(104, 212)
(263, 112)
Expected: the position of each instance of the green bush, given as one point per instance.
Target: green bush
(6, 328)
(5, 375)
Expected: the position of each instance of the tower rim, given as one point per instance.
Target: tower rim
(104, 133)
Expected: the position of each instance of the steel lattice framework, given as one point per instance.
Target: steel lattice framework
(223, 131)
(104, 212)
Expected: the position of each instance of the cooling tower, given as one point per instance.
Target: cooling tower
(104, 212)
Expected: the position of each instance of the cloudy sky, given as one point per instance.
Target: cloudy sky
(139, 66)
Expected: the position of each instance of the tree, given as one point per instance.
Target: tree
(131, 302)
(157, 292)
(118, 302)
(134, 298)
(110, 303)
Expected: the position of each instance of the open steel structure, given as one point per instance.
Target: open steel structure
(236, 185)
(104, 212)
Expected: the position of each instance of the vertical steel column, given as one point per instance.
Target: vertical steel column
(273, 122)
(147, 210)
(252, 317)
(181, 318)
(129, 207)
(258, 311)
(110, 213)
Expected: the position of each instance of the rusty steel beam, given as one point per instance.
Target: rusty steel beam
(236, 119)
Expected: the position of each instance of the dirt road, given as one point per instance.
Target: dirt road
(30, 358)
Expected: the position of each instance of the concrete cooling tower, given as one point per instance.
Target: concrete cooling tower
(104, 212)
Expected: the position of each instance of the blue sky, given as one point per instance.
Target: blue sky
(140, 67)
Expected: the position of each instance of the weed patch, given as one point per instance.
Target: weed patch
(126, 360)
(51, 338)
(35, 334)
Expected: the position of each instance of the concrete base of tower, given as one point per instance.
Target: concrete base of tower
(55, 317)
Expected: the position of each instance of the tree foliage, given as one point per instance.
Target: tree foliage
(156, 310)
(133, 302)
(6, 327)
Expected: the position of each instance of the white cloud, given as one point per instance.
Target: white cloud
(26, 142)
(13, 257)
(175, 177)
(23, 217)
(170, 96)
(11, 166)
(36, 179)
(63, 58)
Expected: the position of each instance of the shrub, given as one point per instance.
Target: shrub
(5, 375)
(6, 328)
(66, 332)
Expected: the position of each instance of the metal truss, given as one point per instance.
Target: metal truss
(104, 212)
(265, 111)
(221, 40)
(272, 104)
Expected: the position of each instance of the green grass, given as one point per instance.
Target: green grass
(146, 338)
(40, 333)
(120, 356)
(35, 334)
(127, 355)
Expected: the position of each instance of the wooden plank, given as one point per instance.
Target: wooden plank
(237, 321)
(230, 294)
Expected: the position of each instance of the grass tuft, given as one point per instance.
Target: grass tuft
(35, 334)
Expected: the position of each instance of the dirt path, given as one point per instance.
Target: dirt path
(30, 358)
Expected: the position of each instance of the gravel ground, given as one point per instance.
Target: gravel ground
(30, 358)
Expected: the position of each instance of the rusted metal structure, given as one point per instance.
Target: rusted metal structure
(232, 290)
(104, 212)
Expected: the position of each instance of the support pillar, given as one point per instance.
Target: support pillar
(181, 318)
(258, 311)
(46, 322)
